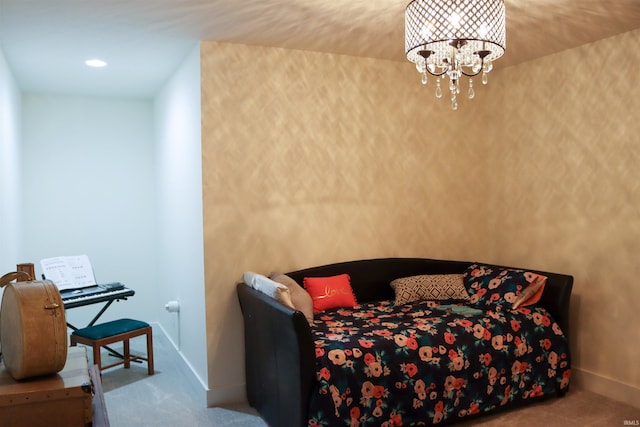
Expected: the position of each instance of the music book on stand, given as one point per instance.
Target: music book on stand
(69, 272)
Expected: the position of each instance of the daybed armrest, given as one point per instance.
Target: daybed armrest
(280, 358)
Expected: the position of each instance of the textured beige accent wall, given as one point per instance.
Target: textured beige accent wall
(311, 158)
(565, 194)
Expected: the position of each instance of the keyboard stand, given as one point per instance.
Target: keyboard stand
(96, 317)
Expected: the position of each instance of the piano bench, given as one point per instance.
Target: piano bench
(103, 334)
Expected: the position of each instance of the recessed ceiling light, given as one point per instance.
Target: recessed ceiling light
(95, 63)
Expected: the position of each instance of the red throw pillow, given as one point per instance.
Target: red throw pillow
(330, 292)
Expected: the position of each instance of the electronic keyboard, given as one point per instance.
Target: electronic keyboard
(95, 294)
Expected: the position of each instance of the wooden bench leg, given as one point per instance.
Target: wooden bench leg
(150, 352)
(127, 354)
(96, 355)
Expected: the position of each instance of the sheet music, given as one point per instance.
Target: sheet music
(69, 272)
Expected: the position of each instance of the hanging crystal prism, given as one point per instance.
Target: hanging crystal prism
(438, 89)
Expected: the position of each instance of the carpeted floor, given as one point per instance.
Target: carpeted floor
(174, 397)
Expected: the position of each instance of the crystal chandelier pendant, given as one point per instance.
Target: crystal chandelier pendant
(455, 38)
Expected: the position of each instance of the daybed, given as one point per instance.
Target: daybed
(388, 362)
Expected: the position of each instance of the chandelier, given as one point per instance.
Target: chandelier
(452, 38)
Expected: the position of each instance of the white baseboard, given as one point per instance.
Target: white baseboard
(227, 395)
(193, 371)
(613, 389)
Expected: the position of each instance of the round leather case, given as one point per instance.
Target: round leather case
(33, 329)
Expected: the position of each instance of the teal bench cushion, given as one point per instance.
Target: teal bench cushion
(109, 329)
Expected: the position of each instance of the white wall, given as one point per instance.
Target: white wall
(88, 188)
(179, 214)
(118, 179)
(10, 206)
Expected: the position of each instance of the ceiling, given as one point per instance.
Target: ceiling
(45, 42)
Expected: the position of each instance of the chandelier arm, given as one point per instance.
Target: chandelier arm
(437, 74)
(482, 54)
(470, 74)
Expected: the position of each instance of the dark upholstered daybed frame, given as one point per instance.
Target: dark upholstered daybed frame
(279, 349)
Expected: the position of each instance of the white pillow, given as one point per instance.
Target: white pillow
(267, 286)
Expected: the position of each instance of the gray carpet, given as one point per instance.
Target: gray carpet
(173, 397)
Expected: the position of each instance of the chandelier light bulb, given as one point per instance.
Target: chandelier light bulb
(454, 20)
(483, 30)
(426, 30)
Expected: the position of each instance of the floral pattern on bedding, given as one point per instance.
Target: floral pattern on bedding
(496, 286)
(426, 363)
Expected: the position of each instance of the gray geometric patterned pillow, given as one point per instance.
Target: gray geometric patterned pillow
(429, 287)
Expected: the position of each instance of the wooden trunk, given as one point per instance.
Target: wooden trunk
(57, 400)
(33, 329)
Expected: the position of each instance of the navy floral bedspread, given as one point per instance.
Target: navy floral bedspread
(426, 363)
